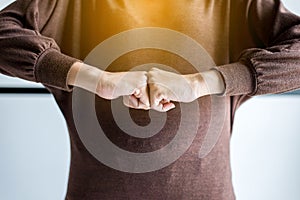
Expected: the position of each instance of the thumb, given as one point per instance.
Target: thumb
(143, 96)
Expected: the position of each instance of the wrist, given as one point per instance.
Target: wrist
(213, 81)
(198, 85)
(84, 76)
(207, 83)
(72, 73)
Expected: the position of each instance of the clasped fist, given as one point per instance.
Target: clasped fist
(168, 87)
(156, 89)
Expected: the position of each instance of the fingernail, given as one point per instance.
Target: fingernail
(137, 91)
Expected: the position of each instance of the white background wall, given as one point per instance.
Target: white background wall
(265, 149)
(34, 146)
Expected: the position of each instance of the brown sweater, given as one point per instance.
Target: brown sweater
(255, 45)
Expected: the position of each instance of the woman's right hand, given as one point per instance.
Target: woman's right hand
(131, 85)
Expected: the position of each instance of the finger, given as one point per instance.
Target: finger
(158, 108)
(164, 101)
(126, 101)
(130, 101)
(164, 106)
(144, 97)
(167, 106)
(159, 99)
(143, 106)
(137, 93)
(155, 97)
(133, 102)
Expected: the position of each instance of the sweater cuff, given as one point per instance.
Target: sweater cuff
(238, 79)
(52, 67)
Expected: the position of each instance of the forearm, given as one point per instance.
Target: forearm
(269, 62)
(25, 52)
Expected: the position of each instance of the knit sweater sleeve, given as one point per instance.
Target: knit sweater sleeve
(27, 54)
(274, 66)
